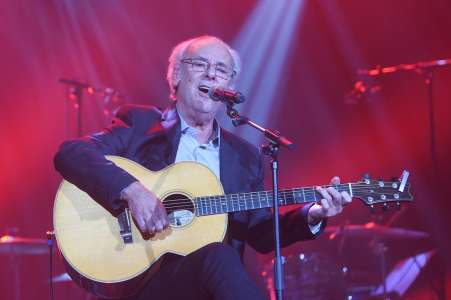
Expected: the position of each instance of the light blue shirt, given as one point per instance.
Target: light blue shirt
(190, 149)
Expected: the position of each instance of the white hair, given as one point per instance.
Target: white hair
(178, 53)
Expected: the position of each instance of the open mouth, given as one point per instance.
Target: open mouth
(204, 89)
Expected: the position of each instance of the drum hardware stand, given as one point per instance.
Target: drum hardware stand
(380, 249)
(50, 235)
(15, 265)
(271, 149)
(75, 92)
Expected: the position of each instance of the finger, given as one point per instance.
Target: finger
(165, 218)
(335, 180)
(150, 226)
(141, 223)
(325, 205)
(336, 196)
(346, 198)
(323, 193)
(159, 226)
(165, 221)
(162, 216)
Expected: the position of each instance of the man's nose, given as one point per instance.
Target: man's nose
(211, 72)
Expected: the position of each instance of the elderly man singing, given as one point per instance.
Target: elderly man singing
(188, 131)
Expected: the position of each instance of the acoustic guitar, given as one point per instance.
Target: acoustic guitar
(108, 255)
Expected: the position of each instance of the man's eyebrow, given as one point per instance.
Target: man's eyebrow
(206, 60)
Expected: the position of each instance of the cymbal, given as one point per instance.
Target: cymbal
(63, 277)
(373, 230)
(26, 246)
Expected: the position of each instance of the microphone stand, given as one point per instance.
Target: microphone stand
(271, 149)
(77, 92)
(425, 68)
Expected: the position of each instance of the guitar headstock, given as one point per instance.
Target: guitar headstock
(373, 192)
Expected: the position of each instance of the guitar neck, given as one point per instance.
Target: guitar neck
(211, 205)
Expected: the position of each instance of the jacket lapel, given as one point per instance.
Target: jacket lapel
(173, 134)
(164, 137)
(228, 163)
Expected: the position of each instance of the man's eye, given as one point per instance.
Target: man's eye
(221, 70)
(198, 64)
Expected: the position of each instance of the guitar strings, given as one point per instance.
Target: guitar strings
(249, 196)
(309, 191)
(231, 198)
(240, 202)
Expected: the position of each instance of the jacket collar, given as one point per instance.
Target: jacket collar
(169, 128)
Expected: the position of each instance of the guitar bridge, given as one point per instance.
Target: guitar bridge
(125, 226)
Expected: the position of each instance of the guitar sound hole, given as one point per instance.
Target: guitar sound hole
(180, 210)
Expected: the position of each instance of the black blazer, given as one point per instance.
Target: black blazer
(139, 134)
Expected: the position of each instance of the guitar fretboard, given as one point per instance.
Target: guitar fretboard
(211, 205)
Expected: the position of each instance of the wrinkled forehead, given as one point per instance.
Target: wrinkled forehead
(210, 49)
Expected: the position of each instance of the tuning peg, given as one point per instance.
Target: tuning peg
(385, 207)
(403, 180)
(366, 176)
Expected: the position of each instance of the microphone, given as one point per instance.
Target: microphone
(222, 94)
(360, 91)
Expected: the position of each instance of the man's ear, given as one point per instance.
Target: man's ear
(176, 76)
(232, 83)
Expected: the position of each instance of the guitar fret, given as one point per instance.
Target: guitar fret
(201, 209)
(223, 204)
(253, 200)
(259, 199)
(196, 209)
(211, 205)
(204, 205)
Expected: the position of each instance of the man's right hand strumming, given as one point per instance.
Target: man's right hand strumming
(147, 210)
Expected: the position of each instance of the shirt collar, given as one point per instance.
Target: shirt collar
(170, 116)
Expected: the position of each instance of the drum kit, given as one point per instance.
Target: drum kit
(352, 260)
(347, 262)
(14, 250)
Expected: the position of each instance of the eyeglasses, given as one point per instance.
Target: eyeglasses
(199, 65)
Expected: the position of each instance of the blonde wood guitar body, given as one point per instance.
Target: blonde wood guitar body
(108, 255)
(111, 264)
